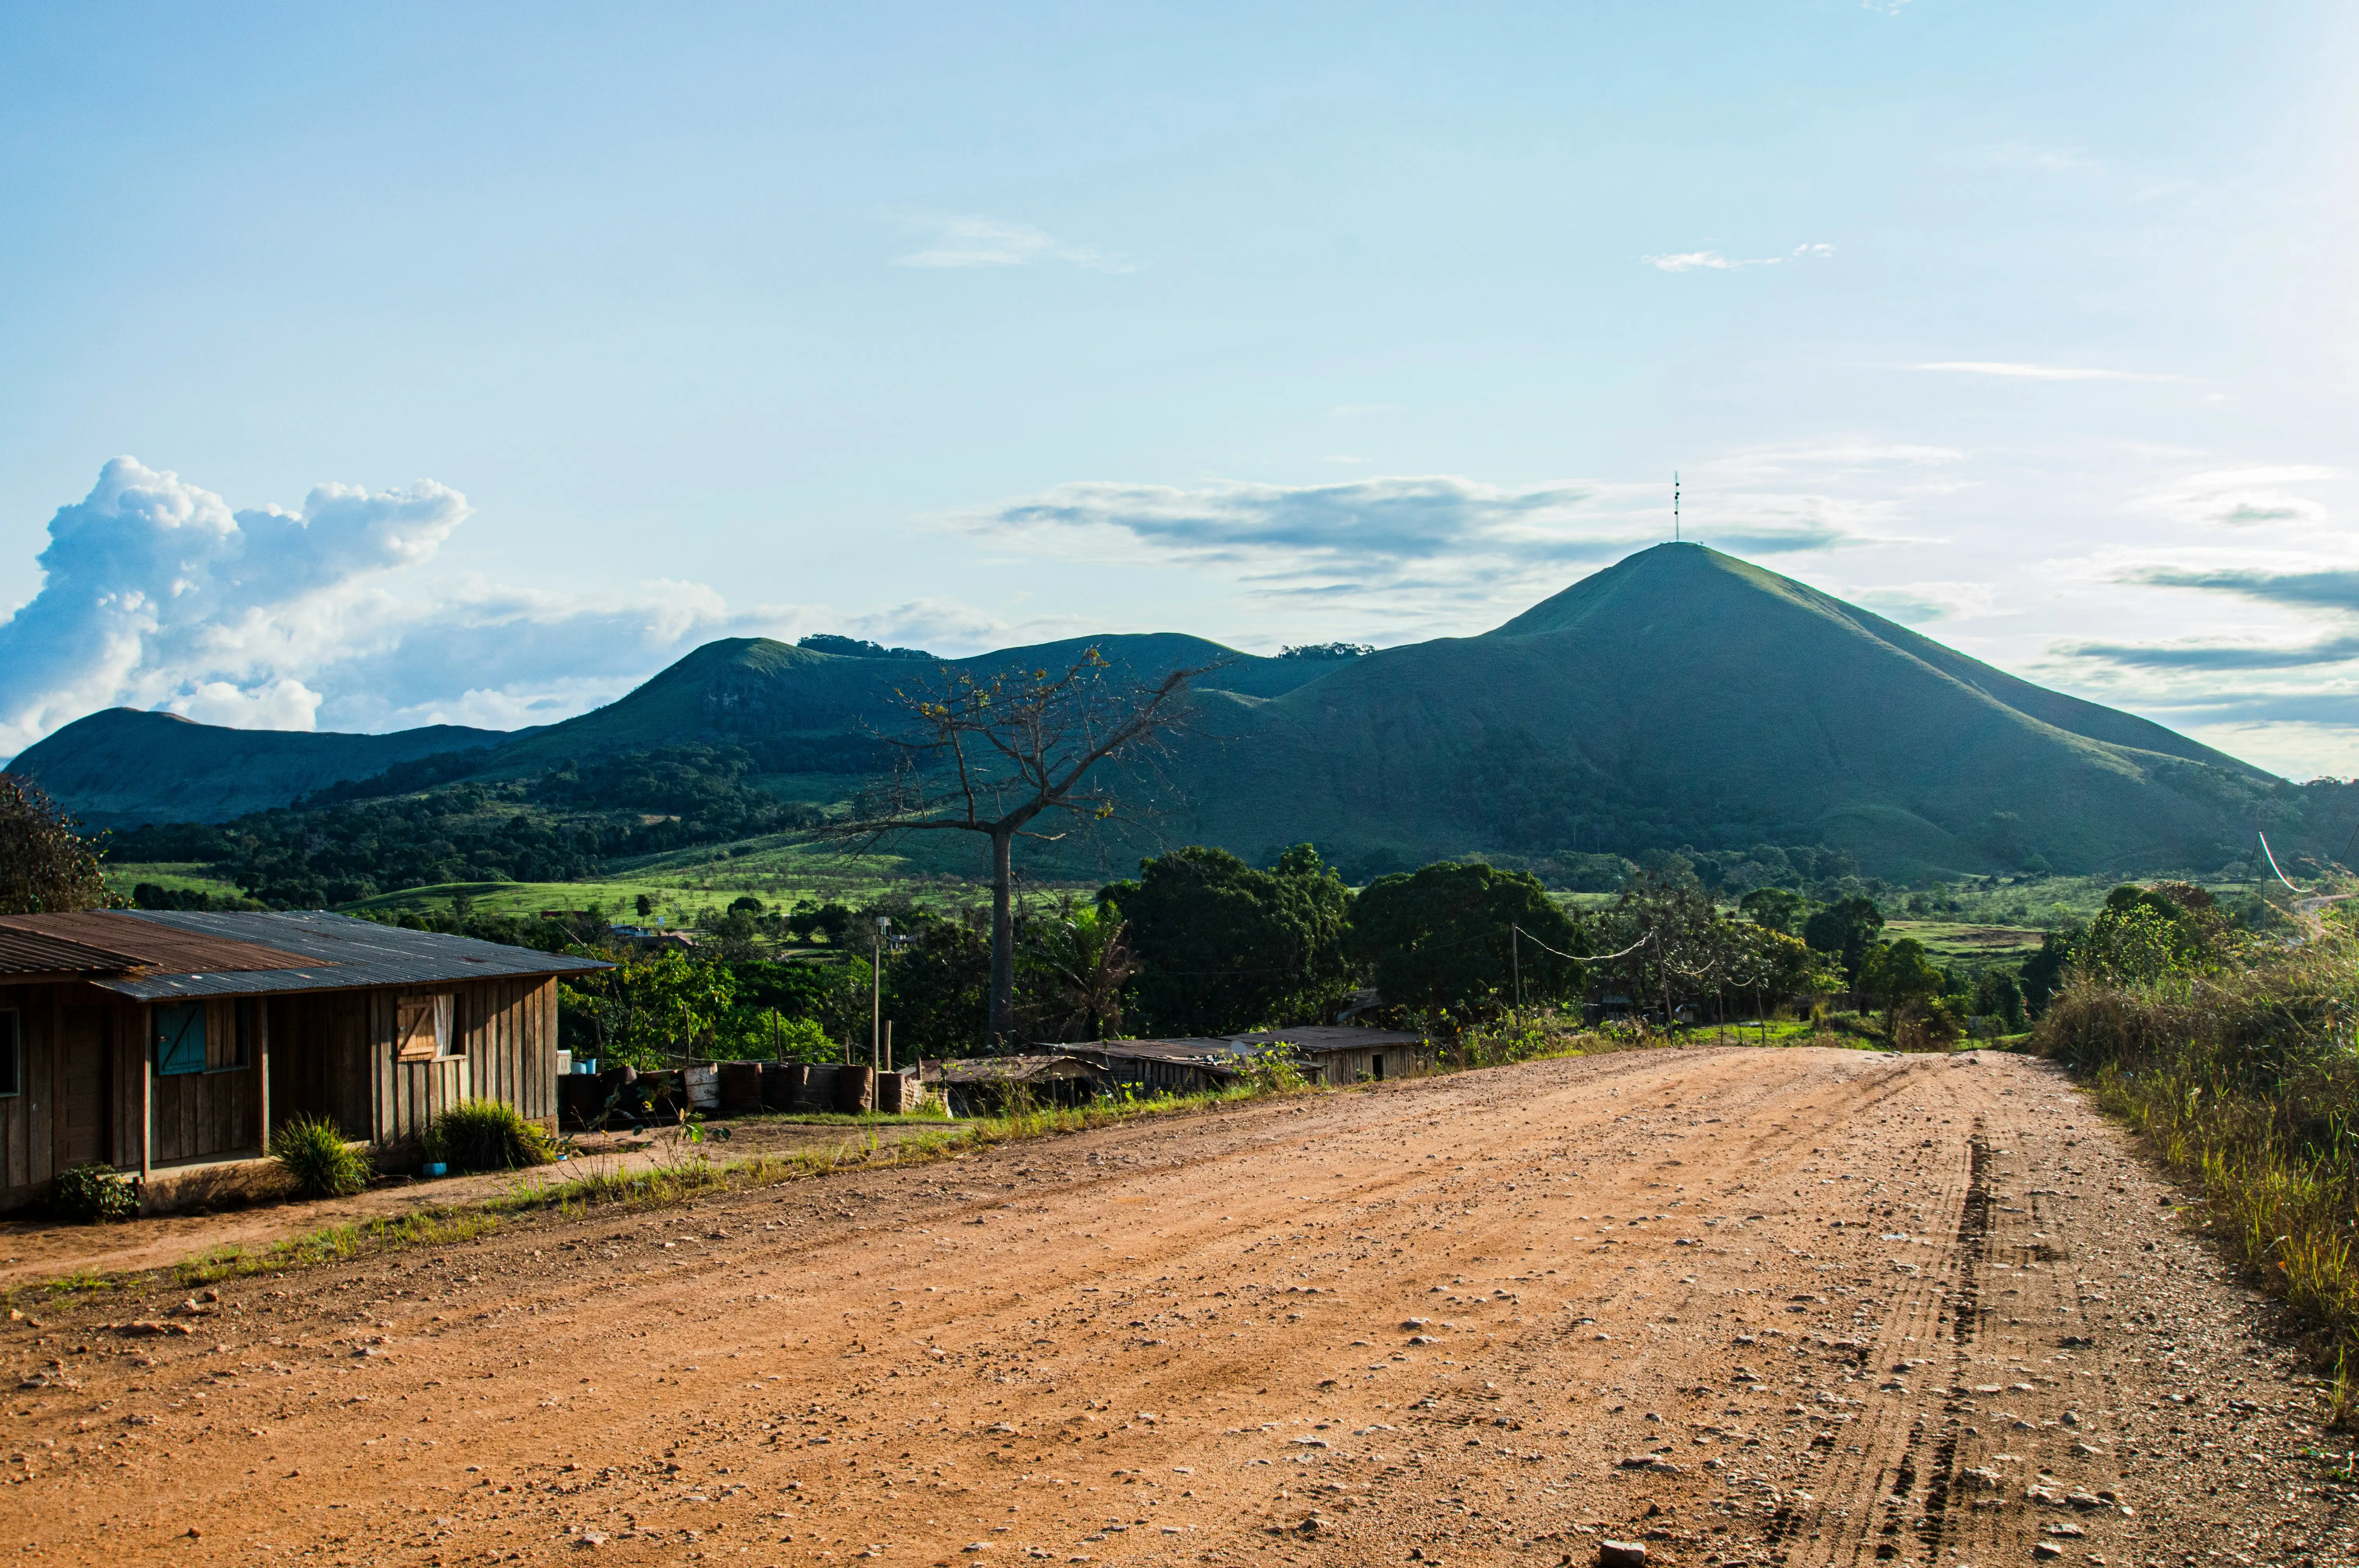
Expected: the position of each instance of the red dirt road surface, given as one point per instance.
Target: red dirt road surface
(1741, 1307)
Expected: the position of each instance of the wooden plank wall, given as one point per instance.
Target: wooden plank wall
(320, 1049)
(131, 1054)
(505, 1041)
(82, 1108)
(203, 1116)
(26, 1135)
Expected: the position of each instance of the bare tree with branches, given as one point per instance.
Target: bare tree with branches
(1005, 755)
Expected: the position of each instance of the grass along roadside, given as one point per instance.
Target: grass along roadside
(2278, 1209)
(2244, 1082)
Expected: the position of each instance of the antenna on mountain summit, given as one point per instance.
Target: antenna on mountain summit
(1675, 506)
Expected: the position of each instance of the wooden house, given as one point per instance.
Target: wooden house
(152, 1039)
(1341, 1053)
(1325, 1053)
(987, 1086)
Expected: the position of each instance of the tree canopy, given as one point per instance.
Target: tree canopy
(1900, 975)
(1847, 929)
(1224, 948)
(1441, 938)
(46, 867)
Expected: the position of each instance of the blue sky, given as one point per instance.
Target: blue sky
(563, 339)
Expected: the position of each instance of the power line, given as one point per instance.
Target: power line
(2273, 864)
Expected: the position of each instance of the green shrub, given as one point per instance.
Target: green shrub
(2246, 1083)
(1272, 1070)
(92, 1193)
(488, 1135)
(317, 1160)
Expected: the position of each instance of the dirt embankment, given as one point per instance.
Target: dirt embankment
(1797, 1306)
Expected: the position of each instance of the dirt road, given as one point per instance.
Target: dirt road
(33, 1249)
(1750, 1306)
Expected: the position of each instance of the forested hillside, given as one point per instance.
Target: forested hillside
(1680, 701)
(561, 826)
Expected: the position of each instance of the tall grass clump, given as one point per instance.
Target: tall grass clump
(2234, 1055)
(318, 1162)
(487, 1135)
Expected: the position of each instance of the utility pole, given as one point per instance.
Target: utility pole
(1675, 506)
(1515, 950)
(876, 993)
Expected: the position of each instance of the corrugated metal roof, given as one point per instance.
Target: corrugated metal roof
(32, 953)
(1329, 1037)
(332, 952)
(1003, 1069)
(1224, 1053)
(132, 941)
(1219, 1055)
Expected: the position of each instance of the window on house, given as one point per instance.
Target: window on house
(179, 1037)
(12, 1053)
(422, 1027)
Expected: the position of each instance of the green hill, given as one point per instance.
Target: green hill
(119, 766)
(1681, 697)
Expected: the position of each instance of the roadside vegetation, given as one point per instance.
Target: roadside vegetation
(2226, 1036)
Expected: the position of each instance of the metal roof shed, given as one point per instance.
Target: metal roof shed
(976, 1086)
(154, 1038)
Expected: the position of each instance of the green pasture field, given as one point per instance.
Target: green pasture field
(1952, 942)
(180, 877)
(680, 903)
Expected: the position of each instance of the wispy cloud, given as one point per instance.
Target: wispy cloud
(2020, 371)
(2247, 497)
(2336, 589)
(2217, 655)
(1713, 261)
(1917, 603)
(963, 241)
(1458, 544)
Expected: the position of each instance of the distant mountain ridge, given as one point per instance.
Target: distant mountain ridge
(120, 767)
(1679, 697)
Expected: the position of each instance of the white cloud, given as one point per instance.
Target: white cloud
(2024, 372)
(1702, 261)
(1916, 604)
(2254, 496)
(963, 241)
(1713, 261)
(157, 595)
(2296, 748)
